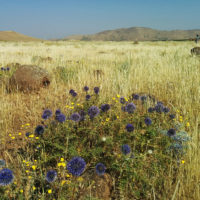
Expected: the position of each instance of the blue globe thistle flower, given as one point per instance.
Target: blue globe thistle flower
(74, 94)
(159, 108)
(58, 112)
(39, 130)
(61, 118)
(76, 166)
(159, 103)
(51, 176)
(125, 149)
(130, 107)
(6, 177)
(2, 163)
(135, 96)
(8, 68)
(172, 116)
(87, 97)
(75, 117)
(105, 107)
(122, 100)
(151, 109)
(100, 169)
(171, 132)
(96, 90)
(86, 88)
(129, 127)
(27, 134)
(2, 68)
(148, 121)
(166, 109)
(71, 91)
(46, 114)
(93, 111)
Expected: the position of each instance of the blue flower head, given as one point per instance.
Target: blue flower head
(86, 88)
(135, 96)
(143, 98)
(171, 132)
(51, 176)
(87, 97)
(93, 111)
(125, 149)
(105, 107)
(172, 116)
(6, 177)
(122, 100)
(75, 117)
(129, 127)
(58, 112)
(76, 166)
(100, 169)
(96, 90)
(150, 109)
(39, 130)
(71, 91)
(82, 113)
(46, 114)
(148, 121)
(61, 118)
(159, 107)
(130, 107)
(166, 109)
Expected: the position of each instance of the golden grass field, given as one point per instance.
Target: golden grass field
(164, 69)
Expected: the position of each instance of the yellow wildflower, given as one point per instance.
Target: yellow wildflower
(29, 177)
(27, 124)
(59, 164)
(182, 161)
(63, 182)
(118, 95)
(68, 175)
(72, 103)
(49, 191)
(107, 119)
(31, 136)
(27, 171)
(66, 106)
(125, 98)
(188, 124)
(10, 135)
(64, 164)
(21, 191)
(13, 137)
(19, 133)
(37, 138)
(33, 167)
(113, 98)
(80, 179)
(34, 188)
(22, 126)
(62, 159)
(117, 117)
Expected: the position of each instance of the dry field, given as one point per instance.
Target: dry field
(164, 69)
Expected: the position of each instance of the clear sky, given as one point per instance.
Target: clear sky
(59, 18)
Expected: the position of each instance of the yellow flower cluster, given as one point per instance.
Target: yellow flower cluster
(62, 163)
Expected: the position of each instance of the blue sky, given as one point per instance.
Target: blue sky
(60, 18)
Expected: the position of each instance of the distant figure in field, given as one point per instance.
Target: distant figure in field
(197, 38)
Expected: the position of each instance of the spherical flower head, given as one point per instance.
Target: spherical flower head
(172, 116)
(96, 90)
(76, 166)
(39, 130)
(129, 127)
(171, 132)
(159, 108)
(148, 121)
(2, 68)
(74, 94)
(58, 112)
(122, 100)
(6, 177)
(71, 91)
(2, 163)
(100, 169)
(105, 107)
(93, 111)
(130, 107)
(166, 109)
(27, 134)
(125, 149)
(135, 96)
(86, 88)
(151, 109)
(46, 114)
(8, 68)
(87, 97)
(51, 176)
(61, 118)
(75, 117)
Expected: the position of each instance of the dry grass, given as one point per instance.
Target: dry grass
(163, 69)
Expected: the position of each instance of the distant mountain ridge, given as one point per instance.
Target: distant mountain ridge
(138, 34)
(14, 36)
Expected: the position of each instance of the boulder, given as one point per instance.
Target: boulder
(195, 51)
(28, 78)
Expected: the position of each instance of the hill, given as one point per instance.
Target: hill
(138, 34)
(14, 36)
